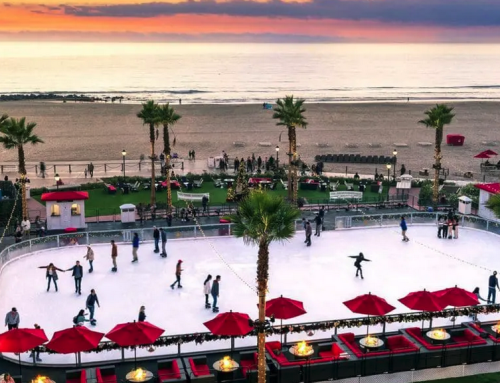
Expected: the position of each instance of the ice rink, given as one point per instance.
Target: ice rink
(322, 276)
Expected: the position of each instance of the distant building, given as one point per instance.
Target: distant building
(485, 193)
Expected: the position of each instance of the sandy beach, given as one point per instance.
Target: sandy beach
(91, 132)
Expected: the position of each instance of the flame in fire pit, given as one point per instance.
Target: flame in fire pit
(439, 334)
(303, 349)
(226, 364)
(40, 379)
(371, 340)
(139, 374)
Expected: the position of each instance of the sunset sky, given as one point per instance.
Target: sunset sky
(252, 20)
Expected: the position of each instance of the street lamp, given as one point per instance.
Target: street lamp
(124, 153)
(277, 156)
(395, 156)
(388, 172)
(57, 178)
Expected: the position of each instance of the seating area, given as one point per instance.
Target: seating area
(459, 338)
(396, 344)
(198, 369)
(169, 370)
(105, 374)
(76, 376)
(354, 159)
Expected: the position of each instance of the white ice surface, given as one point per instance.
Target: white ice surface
(322, 276)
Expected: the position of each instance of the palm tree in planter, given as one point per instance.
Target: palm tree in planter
(494, 204)
(149, 116)
(168, 118)
(261, 219)
(437, 118)
(17, 134)
(290, 113)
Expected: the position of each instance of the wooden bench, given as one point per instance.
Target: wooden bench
(346, 195)
(192, 196)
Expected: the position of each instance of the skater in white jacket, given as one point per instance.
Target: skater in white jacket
(207, 288)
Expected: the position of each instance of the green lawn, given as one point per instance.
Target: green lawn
(100, 202)
(484, 378)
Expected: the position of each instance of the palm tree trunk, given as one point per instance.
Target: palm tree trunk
(437, 165)
(152, 140)
(292, 146)
(262, 278)
(166, 150)
(22, 173)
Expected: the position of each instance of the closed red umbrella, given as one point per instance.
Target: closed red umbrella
(74, 339)
(134, 334)
(20, 340)
(423, 301)
(369, 304)
(284, 308)
(229, 324)
(457, 297)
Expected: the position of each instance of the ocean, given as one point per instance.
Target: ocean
(252, 73)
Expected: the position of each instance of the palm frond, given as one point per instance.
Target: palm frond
(290, 112)
(16, 132)
(494, 204)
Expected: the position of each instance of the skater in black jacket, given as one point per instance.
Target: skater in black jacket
(207, 289)
(163, 236)
(91, 301)
(156, 236)
(319, 223)
(142, 314)
(359, 258)
(77, 274)
(215, 293)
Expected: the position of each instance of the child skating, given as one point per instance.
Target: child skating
(404, 228)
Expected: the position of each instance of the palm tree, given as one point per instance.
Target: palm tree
(290, 113)
(437, 118)
(494, 204)
(149, 116)
(16, 134)
(167, 117)
(260, 220)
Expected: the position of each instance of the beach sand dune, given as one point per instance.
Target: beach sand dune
(85, 131)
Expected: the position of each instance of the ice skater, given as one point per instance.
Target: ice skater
(135, 247)
(318, 221)
(492, 286)
(207, 288)
(308, 233)
(78, 275)
(404, 228)
(156, 236)
(79, 319)
(322, 216)
(51, 274)
(12, 319)
(163, 236)
(455, 228)
(114, 254)
(36, 350)
(90, 257)
(440, 226)
(91, 301)
(359, 258)
(142, 314)
(178, 272)
(444, 227)
(215, 293)
(478, 295)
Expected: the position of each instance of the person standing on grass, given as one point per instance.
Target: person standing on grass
(156, 236)
(492, 286)
(91, 301)
(308, 233)
(77, 274)
(215, 293)
(178, 272)
(114, 254)
(404, 228)
(163, 236)
(135, 247)
(90, 257)
(12, 319)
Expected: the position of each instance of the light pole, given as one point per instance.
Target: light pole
(124, 153)
(277, 156)
(388, 172)
(57, 178)
(395, 154)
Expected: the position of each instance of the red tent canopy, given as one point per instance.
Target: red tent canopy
(369, 304)
(229, 324)
(65, 196)
(423, 301)
(21, 340)
(284, 308)
(134, 334)
(74, 339)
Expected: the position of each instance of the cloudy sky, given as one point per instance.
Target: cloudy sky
(252, 20)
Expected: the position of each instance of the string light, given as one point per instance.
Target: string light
(11, 216)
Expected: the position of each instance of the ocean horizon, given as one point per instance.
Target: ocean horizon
(252, 73)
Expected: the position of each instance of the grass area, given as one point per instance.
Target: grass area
(483, 378)
(100, 202)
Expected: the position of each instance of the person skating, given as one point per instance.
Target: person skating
(455, 228)
(78, 275)
(478, 295)
(135, 247)
(114, 254)
(36, 350)
(318, 222)
(12, 319)
(440, 226)
(91, 301)
(142, 314)
(51, 274)
(79, 319)
(215, 293)
(90, 257)
(322, 216)
(492, 286)
(359, 258)
(444, 227)
(404, 228)
(178, 272)
(308, 233)
(450, 228)
(207, 288)
(163, 236)
(156, 237)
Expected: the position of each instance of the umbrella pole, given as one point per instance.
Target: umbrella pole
(20, 373)
(135, 357)
(368, 326)
(281, 333)
(232, 345)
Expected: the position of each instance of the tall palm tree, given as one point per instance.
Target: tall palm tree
(437, 118)
(290, 113)
(168, 118)
(16, 134)
(494, 204)
(262, 219)
(149, 116)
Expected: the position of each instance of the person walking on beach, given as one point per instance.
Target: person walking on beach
(85, 172)
(318, 222)
(114, 254)
(178, 272)
(91, 170)
(51, 274)
(78, 275)
(207, 289)
(142, 314)
(90, 257)
(308, 233)
(12, 319)
(163, 236)
(404, 228)
(91, 301)
(135, 247)
(215, 293)
(156, 237)
(492, 286)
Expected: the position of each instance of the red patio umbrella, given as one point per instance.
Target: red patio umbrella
(229, 324)
(482, 155)
(20, 340)
(490, 152)
(74, 340)
(457, 297)
(284, 308)
(369, 304)
(423, 301)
